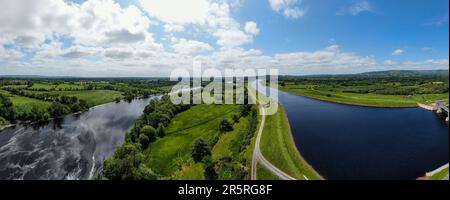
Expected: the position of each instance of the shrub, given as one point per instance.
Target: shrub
(200, 150)
(225, 126)
(150, 132)
(144, 141)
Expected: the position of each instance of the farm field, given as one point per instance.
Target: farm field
(25, 104)
(173, 152)
(92, 97)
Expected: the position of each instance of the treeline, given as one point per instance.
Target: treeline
(7, 110)
(127, 161)
(61, 106)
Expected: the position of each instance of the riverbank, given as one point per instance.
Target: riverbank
(376, 101)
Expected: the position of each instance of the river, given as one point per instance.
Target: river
(353, 142)
(73, 147)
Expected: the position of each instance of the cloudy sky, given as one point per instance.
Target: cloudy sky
(152, 37)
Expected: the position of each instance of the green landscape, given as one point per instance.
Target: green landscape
(40, 99)
(200, 142)
(378, 89)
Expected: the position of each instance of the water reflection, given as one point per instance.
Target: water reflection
(73, 147)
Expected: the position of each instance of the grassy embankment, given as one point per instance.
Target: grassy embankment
(438, 176)
(278, 147)
(171, 156)
(369, 99)
(264, 174)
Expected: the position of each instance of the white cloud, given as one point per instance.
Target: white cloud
(252, 28)
(356, 8)
(96, 22)
(329, 60)
(187, 47)
(232, 38)
(288, 8)
(101, 38)
(9, 54)
(398, 52)
(176, 11)
(173, 28)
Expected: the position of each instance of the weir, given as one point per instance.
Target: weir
(442, 108)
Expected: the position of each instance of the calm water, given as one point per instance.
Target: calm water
(352, 142)
(70, 148)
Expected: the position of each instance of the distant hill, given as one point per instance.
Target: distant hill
(444, 73)
(406, 73)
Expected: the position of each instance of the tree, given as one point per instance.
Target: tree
(57, 109)
(7, 109)
(127, 164)
(235, 119)
(225, 126)
(210, 171)
(245, 109)
(144, 141)
(150, 132)
(161, 131)
(200, 150)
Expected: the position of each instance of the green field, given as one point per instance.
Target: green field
(369, 99)
(69, 87)
(24, 104)
(278, 147)
(173, 152)
(92, 97)
(43, 86)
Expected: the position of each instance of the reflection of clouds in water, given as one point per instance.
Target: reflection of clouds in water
(67, 150)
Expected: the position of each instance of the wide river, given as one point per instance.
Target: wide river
(354, 142)
(70, 148)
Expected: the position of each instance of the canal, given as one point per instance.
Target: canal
(354, 142)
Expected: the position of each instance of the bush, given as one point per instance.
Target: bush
(161, 131)
(210, 172)
(126, 164)
(144, 141)
(200, 150)
(150, 132)
(2, 121)
(235, 119)
(225, 126)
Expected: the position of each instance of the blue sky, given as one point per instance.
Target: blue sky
(388, 25)
(153, 37)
